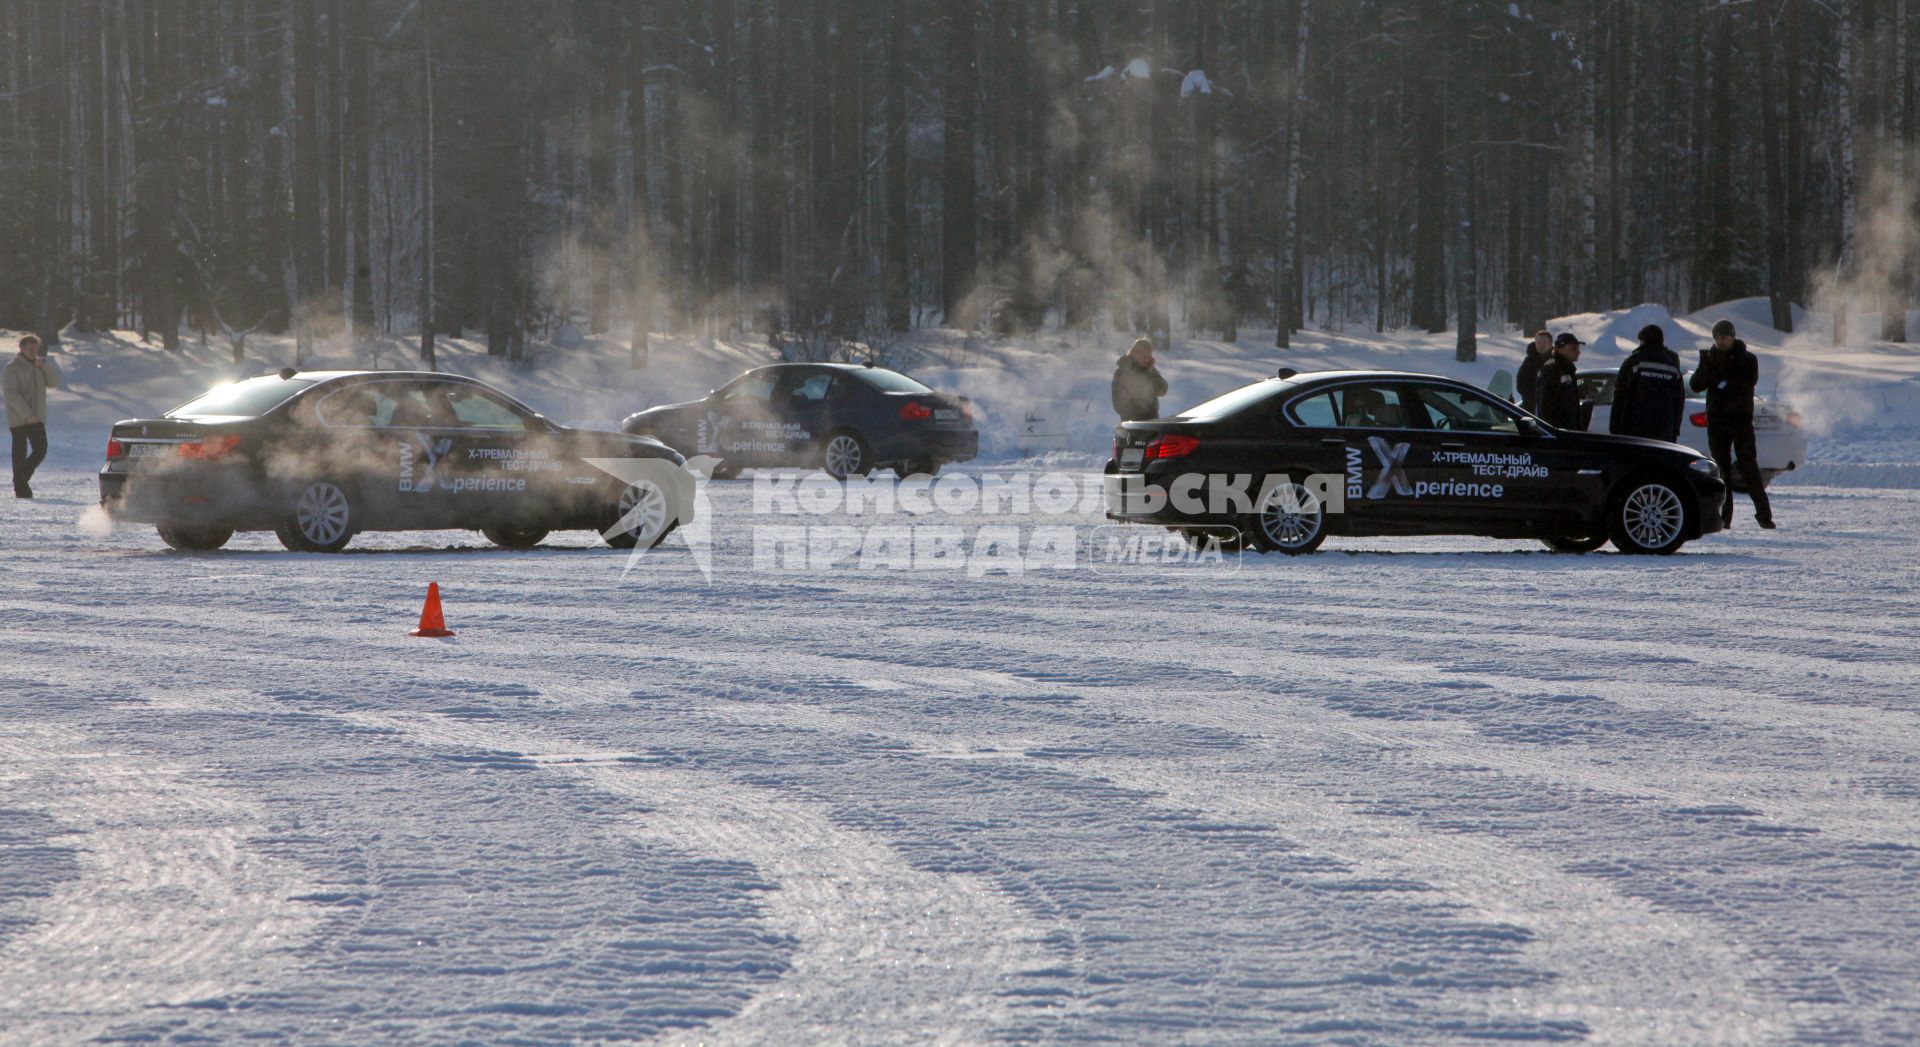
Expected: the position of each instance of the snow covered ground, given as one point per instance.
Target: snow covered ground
(1403, 791)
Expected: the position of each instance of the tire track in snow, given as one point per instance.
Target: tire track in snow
(886, 953)
(172, 910)
(1631, 973)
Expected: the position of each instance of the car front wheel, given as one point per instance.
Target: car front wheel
(845, 455)
(195, 539)
(514, 537)
(641, 517)
(318, 520)
(1650, 517)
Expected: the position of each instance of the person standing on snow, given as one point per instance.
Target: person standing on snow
(1727, 374)
(1650, 394)
(1137, 385)
(1556, 392)
(1538, 352)
(26, 380)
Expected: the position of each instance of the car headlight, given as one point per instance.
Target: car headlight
(1705, 465)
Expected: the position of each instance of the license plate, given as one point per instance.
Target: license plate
(944, 415)
(1132, 456)
(151, 450)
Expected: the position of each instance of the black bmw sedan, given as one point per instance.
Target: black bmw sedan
(1280, 464)
(318, 456)
(844, 418)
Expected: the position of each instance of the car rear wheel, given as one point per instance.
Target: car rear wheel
(724, 471)
(1649, 517)
(906, 469)
(640, 517)
(845, 455)
(195, 539)
(514, 537)
(318, 520)
(1562, 544)
(1290, 520)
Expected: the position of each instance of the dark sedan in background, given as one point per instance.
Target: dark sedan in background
(847, 419)
(318, 456)
(1404, 454)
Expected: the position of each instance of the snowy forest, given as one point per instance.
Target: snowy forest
(845, 170)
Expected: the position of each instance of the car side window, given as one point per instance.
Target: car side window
(1376, 407)
(358, 407)
(1597, 389)
(476, 410)
(423, 407)
(751, 387)
(1457, 410)
(814, 388)
(1318, 411)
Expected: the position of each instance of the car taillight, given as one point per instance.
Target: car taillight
(115, 449)
(1699, 419)
(915, 412)
(1793, 418)
(1172, 445)
(210, 448)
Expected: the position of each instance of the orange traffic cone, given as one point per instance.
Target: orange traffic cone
(431, 624)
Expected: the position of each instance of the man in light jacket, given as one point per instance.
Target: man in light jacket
(25, 380)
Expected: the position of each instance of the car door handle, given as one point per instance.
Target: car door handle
(1452, 445)
(1333, 441)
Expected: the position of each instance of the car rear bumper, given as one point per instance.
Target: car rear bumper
(215, 499)
(940, 445)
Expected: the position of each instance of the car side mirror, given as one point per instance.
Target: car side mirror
(1529, 427)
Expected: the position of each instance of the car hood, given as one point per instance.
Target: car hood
(1611, 440)
(617, 445)
(663, 410)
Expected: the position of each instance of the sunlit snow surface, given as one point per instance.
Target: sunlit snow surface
(1428, 790)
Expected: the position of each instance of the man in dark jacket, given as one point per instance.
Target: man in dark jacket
(1650, 394)
(1556, 393)
(1538, 351)
(1137, 385)
(1727, 374)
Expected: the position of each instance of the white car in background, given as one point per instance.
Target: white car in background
(1779, 438)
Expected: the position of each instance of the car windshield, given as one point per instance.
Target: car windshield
(890, 381)
(1236, 401)
(248, 399)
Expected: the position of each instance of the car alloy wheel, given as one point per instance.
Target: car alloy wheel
(1291, 520)
(844, 456)
(1652, 518)
(515, 537)
(641, 517)
(193, 539)
(321, 520)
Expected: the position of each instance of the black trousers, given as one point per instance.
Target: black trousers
(1731, 442)
(29, 450)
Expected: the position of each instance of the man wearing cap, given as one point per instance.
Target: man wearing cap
(26, 379)
(1538, 351)
(1556, 393)
(1727, 374)
(1650, 394)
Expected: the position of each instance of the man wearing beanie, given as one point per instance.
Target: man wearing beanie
(1137, 385)
(1650, 394)
(1727, 374)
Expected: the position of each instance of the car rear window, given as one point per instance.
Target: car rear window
(890, 381)
(1236, 401)
(253, 397)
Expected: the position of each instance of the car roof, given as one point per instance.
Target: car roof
(328, 376)
(1318, 377)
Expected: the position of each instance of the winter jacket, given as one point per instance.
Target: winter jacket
(1728, 379)
(1529, 373)
(1649, 396)
(1137, 390)
(1556, 394)
(26, 388)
